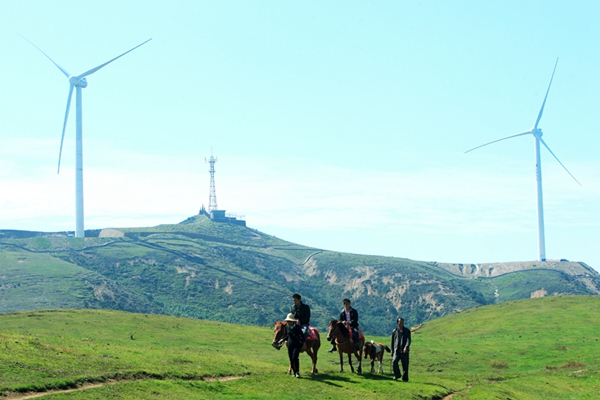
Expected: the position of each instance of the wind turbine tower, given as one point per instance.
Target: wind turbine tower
(537, 134)
(78, 82)
(212, 202)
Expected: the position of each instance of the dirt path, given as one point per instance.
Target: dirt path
(40, 394)
(30, 395)
(451, 395)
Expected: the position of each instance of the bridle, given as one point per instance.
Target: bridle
(282, 331)
(334, 331)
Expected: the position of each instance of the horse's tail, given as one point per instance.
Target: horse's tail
(387, 349)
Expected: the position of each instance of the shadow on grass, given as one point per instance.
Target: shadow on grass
(330, 379)
(337, 379)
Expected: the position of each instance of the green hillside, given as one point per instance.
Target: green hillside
(526, 349)
(207, 270)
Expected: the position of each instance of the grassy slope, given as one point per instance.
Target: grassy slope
(520, 350)
(33, 281)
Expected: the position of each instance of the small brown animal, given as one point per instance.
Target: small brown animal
(375, 351)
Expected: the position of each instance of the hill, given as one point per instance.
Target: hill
(203, 269)
(516, 350)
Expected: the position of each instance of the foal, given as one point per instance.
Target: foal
(375, 351)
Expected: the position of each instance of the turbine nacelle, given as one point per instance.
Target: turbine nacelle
(536, 132)
(77, 81)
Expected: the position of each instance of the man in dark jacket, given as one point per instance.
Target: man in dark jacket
(301, 312)
(400, 349)
(349, 316)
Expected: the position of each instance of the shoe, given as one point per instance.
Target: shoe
(331, 350)
(395, 378)
(297, 375)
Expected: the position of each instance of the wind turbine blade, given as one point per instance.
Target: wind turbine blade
(546, 146)
(62, 138)
(53, 62)
(91, 71)
(537, 121)
(508, 137)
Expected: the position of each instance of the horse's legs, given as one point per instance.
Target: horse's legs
(350, 362)
(313, 357)
(381, 364)
(359, 355)
(341, 360)
(373, 365)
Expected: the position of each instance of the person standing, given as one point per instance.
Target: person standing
(349, 316)
(301, 312)
(400, 349)
(295, 340)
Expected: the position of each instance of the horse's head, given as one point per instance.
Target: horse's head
(368, 349)
(334, 328)
(279, 332)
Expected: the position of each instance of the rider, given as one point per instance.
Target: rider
(349, 317)
(301, 312)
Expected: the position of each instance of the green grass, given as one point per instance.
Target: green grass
(519, 350)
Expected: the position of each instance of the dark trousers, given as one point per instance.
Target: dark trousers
(304, 331)
(294, 354)
(403, 358)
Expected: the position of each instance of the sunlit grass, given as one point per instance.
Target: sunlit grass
(513, 350)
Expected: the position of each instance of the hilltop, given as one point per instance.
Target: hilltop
(208, 270)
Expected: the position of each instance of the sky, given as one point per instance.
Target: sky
(341, 125)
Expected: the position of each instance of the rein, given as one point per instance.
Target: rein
(337, 328)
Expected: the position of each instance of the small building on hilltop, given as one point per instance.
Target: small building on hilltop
(221, 216)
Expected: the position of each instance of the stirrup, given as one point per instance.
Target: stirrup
(333, 348)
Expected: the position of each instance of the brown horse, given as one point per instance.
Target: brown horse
(345, 344)
(375, 351)
(311, 346)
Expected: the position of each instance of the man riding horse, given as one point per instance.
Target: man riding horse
(349, 317)
(301, 312)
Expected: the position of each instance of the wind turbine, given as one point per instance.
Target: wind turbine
(78, 82)
(537, 134)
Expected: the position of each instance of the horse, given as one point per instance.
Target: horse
(375, 351)
(311, 346)
(345, 344)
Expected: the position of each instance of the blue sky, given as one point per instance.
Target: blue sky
(340, 125)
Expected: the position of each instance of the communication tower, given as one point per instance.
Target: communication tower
(212, 202)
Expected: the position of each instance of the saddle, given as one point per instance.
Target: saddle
(312, 335)
(356, 332)
(351, 333)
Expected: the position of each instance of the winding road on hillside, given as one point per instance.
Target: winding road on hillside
(311, 256)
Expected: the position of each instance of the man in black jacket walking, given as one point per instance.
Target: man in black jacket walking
(400, 349)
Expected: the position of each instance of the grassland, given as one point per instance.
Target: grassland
(528, 349)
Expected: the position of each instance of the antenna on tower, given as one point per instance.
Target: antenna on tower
(212, 201)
